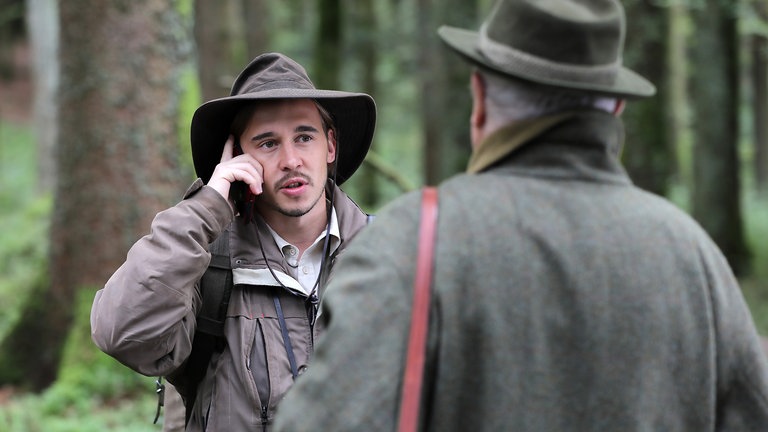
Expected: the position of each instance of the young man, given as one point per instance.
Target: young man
(269, 158)
(563, 297)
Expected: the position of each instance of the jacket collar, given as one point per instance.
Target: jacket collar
(244, 238)
(582, 145)
(333, 232)
(505, 140)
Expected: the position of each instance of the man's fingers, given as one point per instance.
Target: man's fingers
(252, 174)
(235, 166)
(242, 168)
(229, 145)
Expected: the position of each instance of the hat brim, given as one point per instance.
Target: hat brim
(354, 115)
(628, 84)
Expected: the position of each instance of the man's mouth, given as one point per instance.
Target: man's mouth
(292, 185)
(293, 182)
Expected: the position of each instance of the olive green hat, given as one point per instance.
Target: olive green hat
(573, 44)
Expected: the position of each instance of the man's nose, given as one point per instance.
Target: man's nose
(289, 157)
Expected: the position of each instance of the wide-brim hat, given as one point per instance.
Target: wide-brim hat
(576, 44)
(276, 76)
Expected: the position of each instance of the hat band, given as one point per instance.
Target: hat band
(531, 65)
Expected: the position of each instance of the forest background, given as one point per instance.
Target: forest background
(96, 98)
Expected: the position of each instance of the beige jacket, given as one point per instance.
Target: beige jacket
(145, 315)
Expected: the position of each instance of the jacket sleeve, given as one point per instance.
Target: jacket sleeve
(145, 315)
(740, 361)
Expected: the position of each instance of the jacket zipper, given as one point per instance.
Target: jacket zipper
(264, 418)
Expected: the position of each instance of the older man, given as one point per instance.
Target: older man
(564, 298)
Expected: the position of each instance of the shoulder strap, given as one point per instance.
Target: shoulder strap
(215, 289)
(417, 340)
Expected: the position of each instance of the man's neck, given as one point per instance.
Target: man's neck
(301, 231)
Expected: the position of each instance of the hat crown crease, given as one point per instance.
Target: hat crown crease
(271, 72)
(256, 85)
(574, 41)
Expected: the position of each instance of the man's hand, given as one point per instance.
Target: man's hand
(236, 168)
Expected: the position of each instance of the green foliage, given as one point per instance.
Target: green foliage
(93, 392)
(190, 100)
(186, 8)
(24, 215)
(86, 373)
(24, 219)
(12, 345)
(24, 413)
(755, 287)
(22, 255)
(90, 381)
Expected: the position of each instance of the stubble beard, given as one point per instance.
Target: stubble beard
(294, 212)
(299, 212)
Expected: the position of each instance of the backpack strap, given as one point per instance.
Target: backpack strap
(215, 289)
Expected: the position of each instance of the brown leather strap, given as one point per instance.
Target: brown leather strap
(417, 340)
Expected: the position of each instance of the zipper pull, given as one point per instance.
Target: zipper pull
(264, 418)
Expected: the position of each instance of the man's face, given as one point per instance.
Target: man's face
(286, 136)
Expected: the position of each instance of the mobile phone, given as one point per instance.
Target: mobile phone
(240, 191)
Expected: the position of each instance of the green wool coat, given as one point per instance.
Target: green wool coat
(564, 299)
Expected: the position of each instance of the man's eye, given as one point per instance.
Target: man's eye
(304, 138)
(267, 144)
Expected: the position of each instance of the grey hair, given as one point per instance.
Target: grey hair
(512, 99)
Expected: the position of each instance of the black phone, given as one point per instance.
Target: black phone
(240, 192)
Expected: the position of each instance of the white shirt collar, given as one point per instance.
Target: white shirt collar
(334, 233)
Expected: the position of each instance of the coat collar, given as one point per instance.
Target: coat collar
(504, 141)
(244, 237)
(582, 145)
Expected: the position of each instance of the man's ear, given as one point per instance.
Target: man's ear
(620, 104)
(331, 146)
(479, 117)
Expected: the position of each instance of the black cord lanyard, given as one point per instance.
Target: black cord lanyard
(312, 298)
(286, 337)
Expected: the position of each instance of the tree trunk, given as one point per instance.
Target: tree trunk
(364, 46)
(117, 158)
(214, 36)
(455, 98)
(714, 93)
(256, 16)
(43, 30)
(444, 78)
(648, 155)
(677, 92)
(328, 46)
(428, 78)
